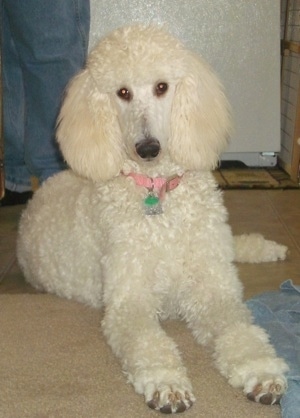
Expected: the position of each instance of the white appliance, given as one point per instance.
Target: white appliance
(241, 41)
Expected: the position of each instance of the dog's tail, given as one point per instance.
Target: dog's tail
(254, 248)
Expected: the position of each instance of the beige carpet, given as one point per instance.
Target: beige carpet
(54, 362)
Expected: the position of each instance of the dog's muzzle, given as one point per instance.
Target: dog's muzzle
(148, 148)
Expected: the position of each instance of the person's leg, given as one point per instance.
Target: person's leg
(17, 176)
(51, 38)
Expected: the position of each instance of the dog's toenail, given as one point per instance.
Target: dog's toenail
(181, 407)
(152, 404)
(166, 409)
(266, 399)
(251, 396)
(276, 401)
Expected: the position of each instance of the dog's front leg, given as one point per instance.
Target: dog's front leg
(217, 316)
(149, 357)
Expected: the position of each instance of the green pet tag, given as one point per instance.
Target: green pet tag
(152, 205)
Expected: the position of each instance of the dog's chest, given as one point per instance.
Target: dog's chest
(190, 207)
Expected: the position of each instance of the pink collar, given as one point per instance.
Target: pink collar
(160, 184)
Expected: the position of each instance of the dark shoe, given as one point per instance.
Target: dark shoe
(15, 198)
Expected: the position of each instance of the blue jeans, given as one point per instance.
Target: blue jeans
(44, 44)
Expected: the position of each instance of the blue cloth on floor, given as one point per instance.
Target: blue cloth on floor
(278, 312)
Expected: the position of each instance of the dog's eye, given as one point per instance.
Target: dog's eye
(124, 94)
(161, 88)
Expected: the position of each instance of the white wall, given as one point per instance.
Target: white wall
(291, 83)
(239, 38)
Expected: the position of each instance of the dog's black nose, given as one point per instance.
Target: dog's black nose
(148, 148)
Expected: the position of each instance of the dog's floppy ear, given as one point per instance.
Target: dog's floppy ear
(200, 120)
(88, 130)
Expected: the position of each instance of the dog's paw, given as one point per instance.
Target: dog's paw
(170, 399)
(267, 391)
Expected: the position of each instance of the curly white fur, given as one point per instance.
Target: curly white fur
(85, 234)
(254, 248)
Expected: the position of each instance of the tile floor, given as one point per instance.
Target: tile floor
(274, 213)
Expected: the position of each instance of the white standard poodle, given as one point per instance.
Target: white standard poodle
(138, 225)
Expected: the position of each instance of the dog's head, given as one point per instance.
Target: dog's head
(141, 96)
